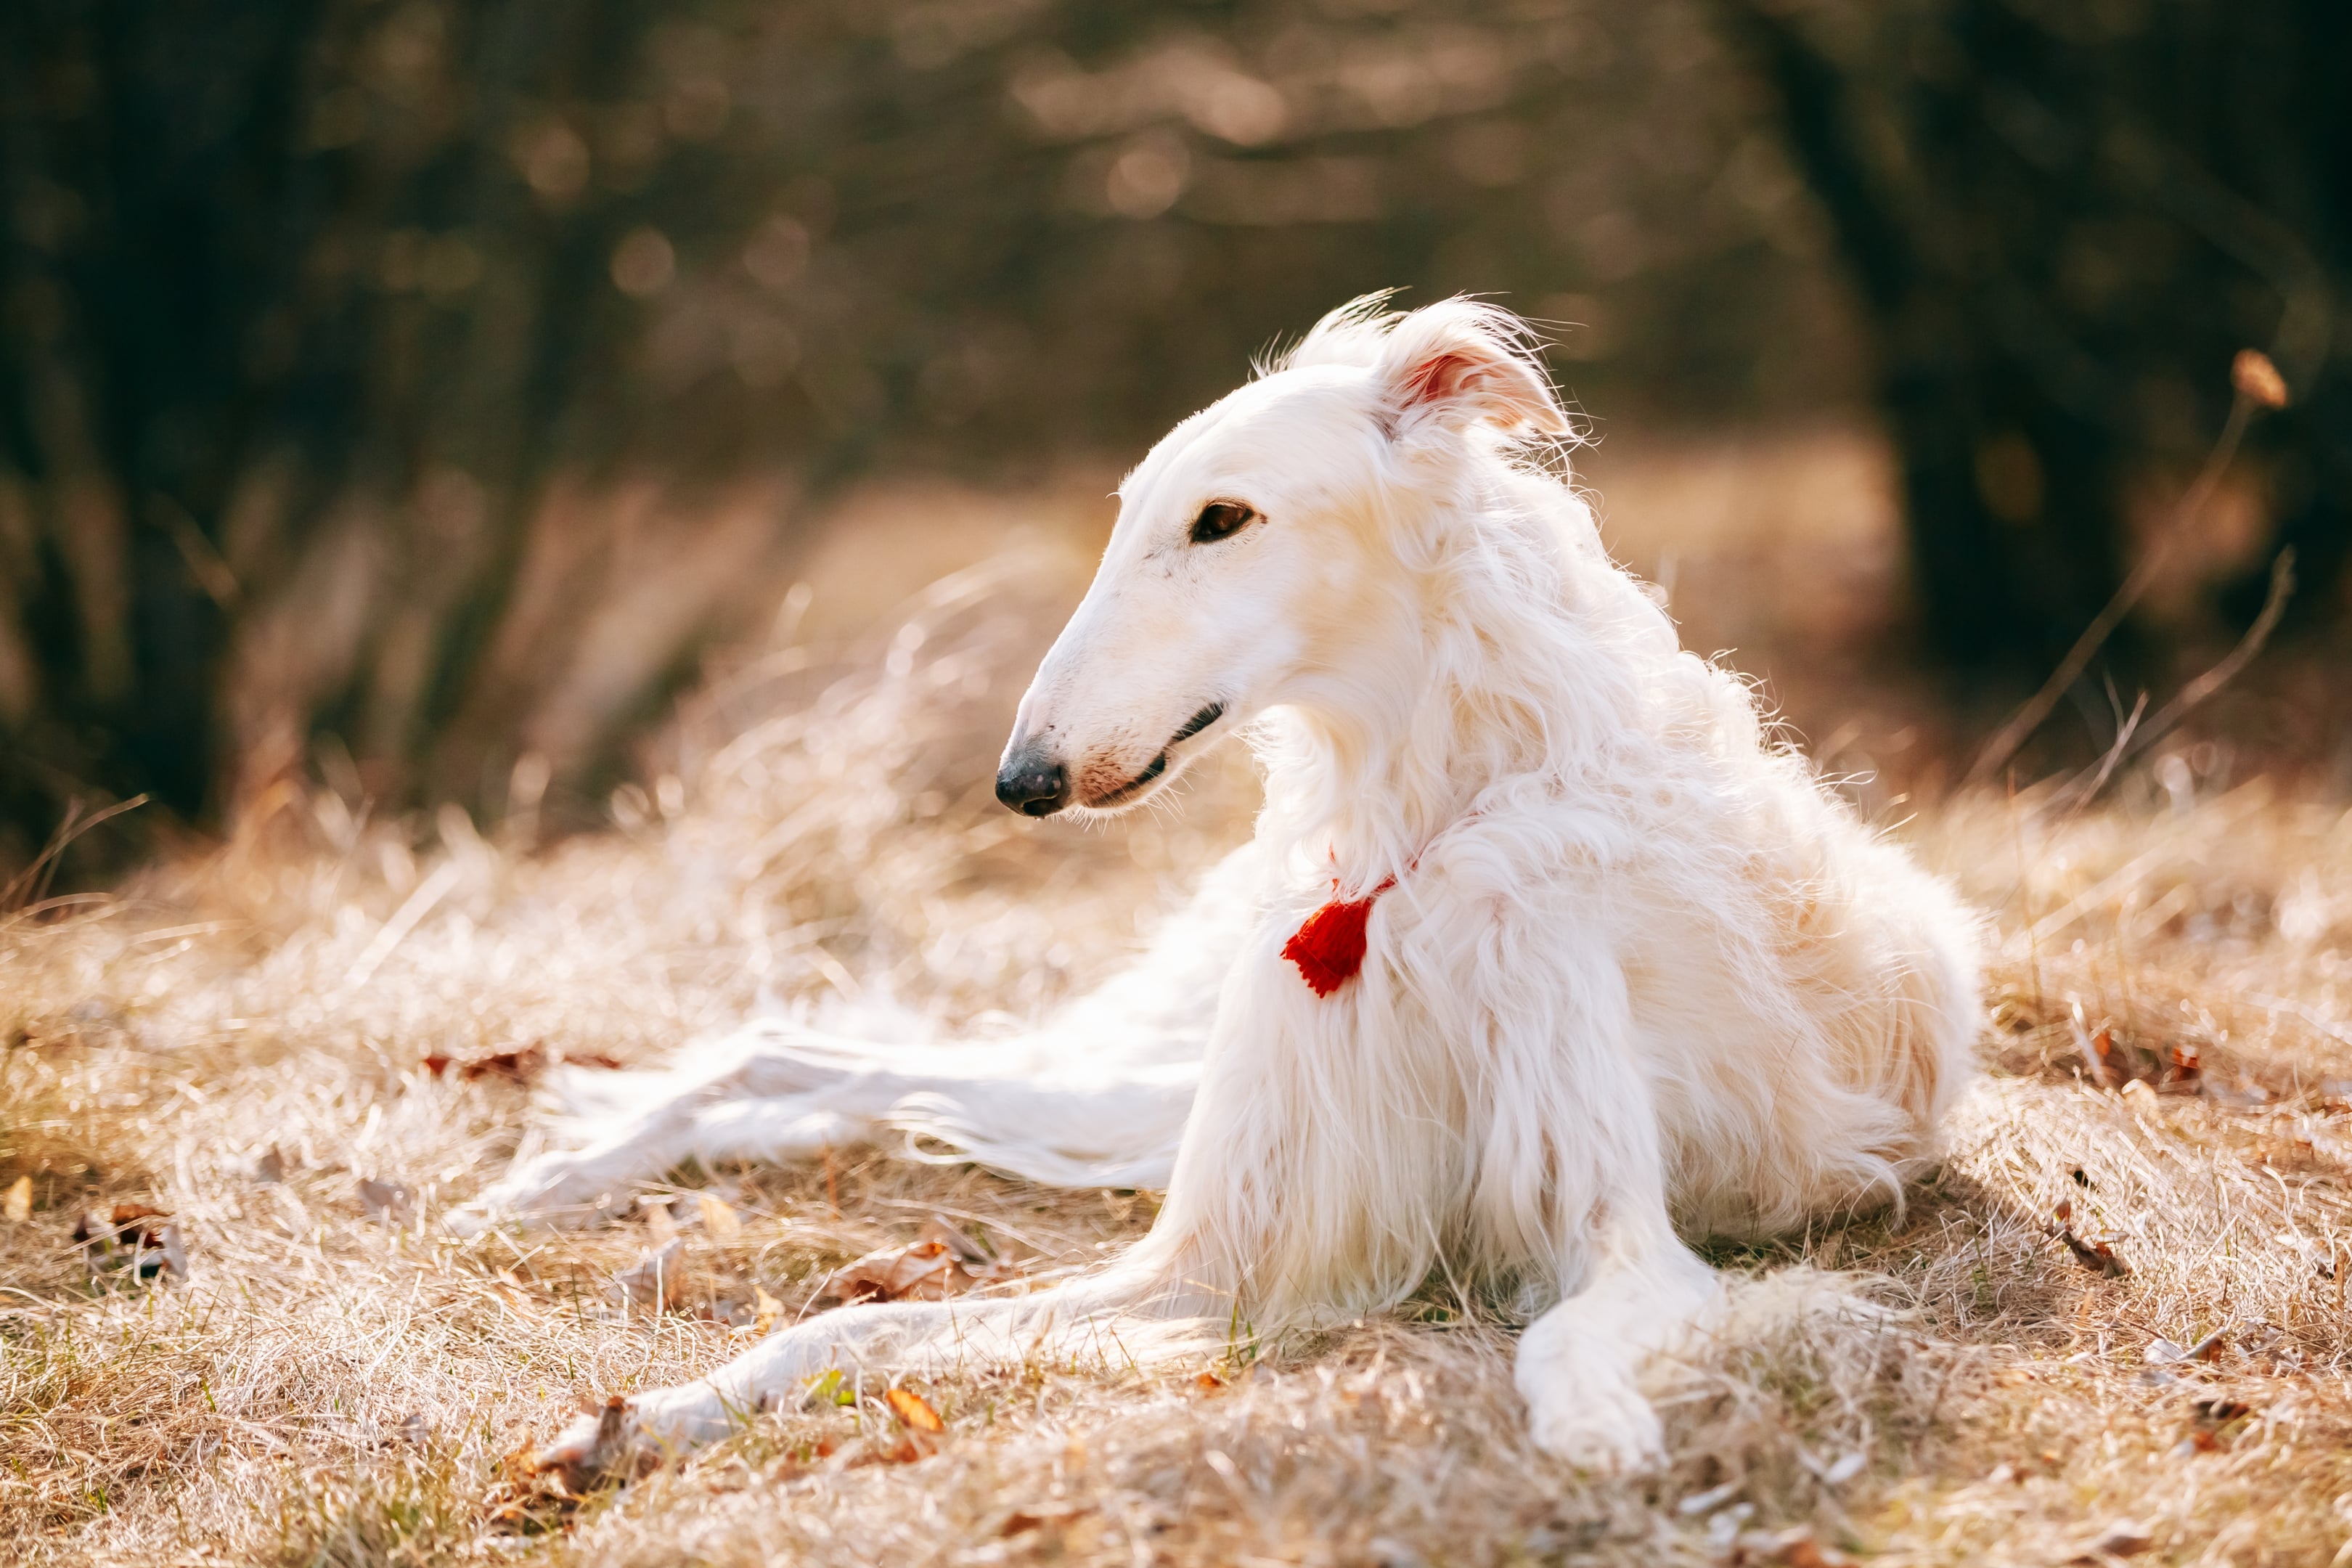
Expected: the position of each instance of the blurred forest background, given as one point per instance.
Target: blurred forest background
(418, 391)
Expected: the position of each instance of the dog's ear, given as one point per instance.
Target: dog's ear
(1459, 363)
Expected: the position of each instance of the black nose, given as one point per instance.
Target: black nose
(1032, 785)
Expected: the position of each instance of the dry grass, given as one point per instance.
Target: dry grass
(334, 1384)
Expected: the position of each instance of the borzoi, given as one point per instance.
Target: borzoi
(1543, 951)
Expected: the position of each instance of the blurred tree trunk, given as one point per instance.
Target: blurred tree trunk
(297, 349)
(2063, 222)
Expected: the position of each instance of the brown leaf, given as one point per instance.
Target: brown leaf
(766, 1310)
(2098, 1256)
(2222, 1412)
(925, 1271)
(719, 1218)
(1795, 1548)
(971, 1254)
(385, 1201)
(19, 1205)
(2257, 380)
(129, 1224)
(908, 1406)
(517, 1067)
(906, 1453)
(1807, 1553)
(1021, 1520)
(136, 1234)
(660, 1277)
(2123, 1539)
(1209, 1383)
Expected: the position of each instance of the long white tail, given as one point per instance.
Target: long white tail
(1095, 1096)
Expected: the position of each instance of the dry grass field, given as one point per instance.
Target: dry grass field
(305, 1046)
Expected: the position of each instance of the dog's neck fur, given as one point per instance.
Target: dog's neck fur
(1389, 749)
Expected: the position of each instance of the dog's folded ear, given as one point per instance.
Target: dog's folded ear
(1459, 363)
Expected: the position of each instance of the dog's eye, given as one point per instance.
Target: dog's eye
(1221, 520)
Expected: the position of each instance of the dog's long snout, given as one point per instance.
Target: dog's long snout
(1032, 783)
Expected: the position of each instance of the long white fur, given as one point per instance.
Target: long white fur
(1640, 975)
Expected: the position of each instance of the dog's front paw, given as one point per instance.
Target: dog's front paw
(597, 1446)
(1602, 1425)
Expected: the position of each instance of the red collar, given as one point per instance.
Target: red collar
(1329, 948)
(1328, 945)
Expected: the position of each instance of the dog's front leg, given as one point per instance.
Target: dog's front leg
(1081, 1319)
(1580, 1365)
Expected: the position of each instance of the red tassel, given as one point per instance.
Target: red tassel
(1329, 948)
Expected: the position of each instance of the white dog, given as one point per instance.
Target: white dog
(1543, 951)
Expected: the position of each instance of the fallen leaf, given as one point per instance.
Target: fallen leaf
(2102, 1043)
(519, 1066)
(908, 1406)
(515, 1067)
(2254, 378)
(925, 1271)
(2123, 1539)
(1037, 1516)
(385, 1201)
(2093, 1255)
(139, 1235)
(1795, 1547)
(767, 1309)
(1209, 1383)
(2222, 1412)
(719, 1218)
(972, 1255)
(908, 1450)
(659, 1278)
(19, 1205)
(128, 1225)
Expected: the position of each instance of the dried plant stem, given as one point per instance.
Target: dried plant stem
(2028, 719)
